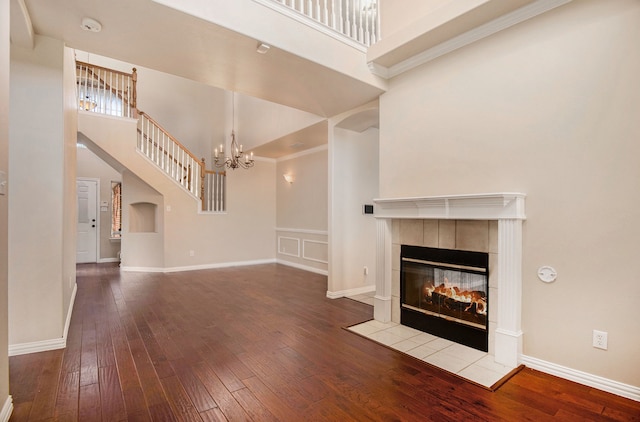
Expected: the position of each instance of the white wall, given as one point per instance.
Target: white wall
(547, 108)
(354, 175)
(91, 166)
(301, 217)
(4, 203)
(39, 137)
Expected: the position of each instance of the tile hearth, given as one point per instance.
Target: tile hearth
(471, 364)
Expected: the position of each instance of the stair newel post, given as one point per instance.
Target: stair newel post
(134, 92)
(202, 171)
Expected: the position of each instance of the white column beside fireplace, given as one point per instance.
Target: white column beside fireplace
(508, 210)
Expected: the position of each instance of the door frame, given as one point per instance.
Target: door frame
(97, 204)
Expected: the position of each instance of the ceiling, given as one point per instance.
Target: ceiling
(157, 37)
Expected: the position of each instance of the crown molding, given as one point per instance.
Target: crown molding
(496, 25)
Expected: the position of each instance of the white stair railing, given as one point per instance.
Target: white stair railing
(169, 155)
(110, 92)
(106, 91)
(355, 19)
(214, 196)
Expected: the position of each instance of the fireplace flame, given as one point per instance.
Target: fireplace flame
(471, 297)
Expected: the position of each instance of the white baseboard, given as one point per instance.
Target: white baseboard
(302, 267)
(595, 381)
(37, 346)
(104, 260)
(69, 312)
(197, 267)
(46, 345)
(350, 292)
(7, 409)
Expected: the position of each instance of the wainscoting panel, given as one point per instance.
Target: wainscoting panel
(303, 248)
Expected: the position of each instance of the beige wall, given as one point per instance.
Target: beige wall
(354, 182)
(37, 220)
(91, 166)
(301, 210)
(245, 233)
(142, 248)
(69, 207)
(547, 108)
(4, 203)
(393, 18)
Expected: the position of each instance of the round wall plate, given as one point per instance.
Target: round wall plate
(547, 274)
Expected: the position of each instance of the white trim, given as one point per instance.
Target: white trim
(297, 254)
(351, 292)
(7, 409)
(625, 390)
(198, 267)
(302, 267)
(306, 20)
(382, 308)
(67, 323)
(503, 22)
(105, 260)
(485, 206)
(313, 259)
(37, 346)
(304, 231)
(302, 153)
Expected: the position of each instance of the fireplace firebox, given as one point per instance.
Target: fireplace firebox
(445, 292)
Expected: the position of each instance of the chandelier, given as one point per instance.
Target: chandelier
(236, 158)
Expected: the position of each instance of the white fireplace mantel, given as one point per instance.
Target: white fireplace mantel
(485, 206)
(508, 209)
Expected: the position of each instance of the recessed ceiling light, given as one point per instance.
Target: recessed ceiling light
(92, 25)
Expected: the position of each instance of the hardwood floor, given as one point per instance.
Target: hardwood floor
(258, 343)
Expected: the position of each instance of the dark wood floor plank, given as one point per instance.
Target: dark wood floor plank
(254, 408)
(67, 399)
(223, 397)
(111, 399)
(89, 403)
(182, 407)
(252, 344)
(43, 405)
(193, 386)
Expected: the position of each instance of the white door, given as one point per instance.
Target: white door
(86, 248)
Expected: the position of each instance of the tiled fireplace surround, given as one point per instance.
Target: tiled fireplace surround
(489, 223)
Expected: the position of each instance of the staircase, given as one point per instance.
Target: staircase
(109, 92)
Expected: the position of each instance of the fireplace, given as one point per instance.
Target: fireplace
(445, 292)
(445, 222)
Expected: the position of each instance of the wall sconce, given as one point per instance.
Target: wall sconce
(289, 178)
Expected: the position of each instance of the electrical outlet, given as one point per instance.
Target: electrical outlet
(600, 339)
(192, 253)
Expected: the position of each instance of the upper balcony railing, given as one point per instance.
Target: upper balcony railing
(358, 20)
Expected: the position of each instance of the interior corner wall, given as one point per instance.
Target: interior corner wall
(36, 204)
(4, 202)
(69, 201)
(550, 108)
(301, 211)
(91, 166)
(141, 249)
(354, 174)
